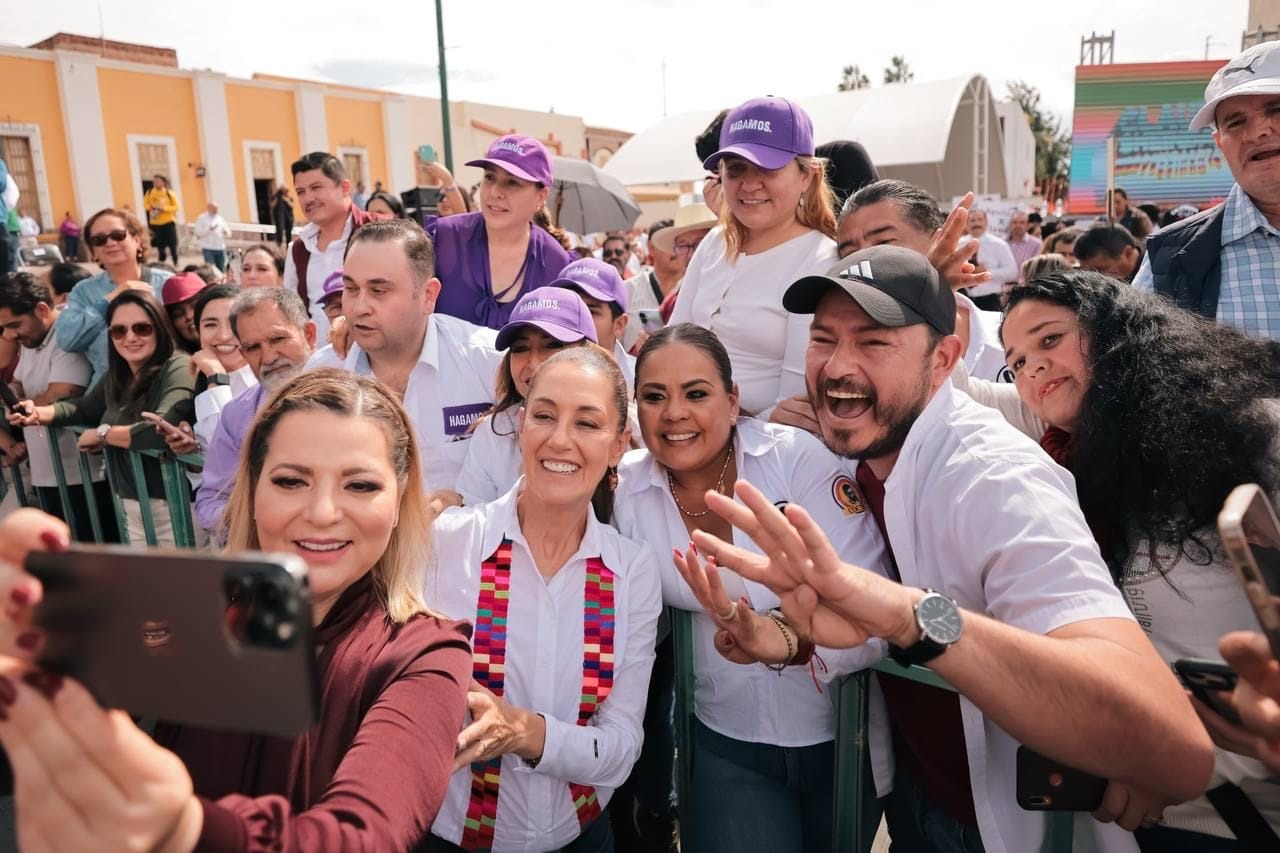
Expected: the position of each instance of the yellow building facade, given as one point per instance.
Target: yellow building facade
(81, 132)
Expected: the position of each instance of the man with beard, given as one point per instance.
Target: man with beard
(996, 582)
(277, 337)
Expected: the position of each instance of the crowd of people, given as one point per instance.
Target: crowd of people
(862, 425)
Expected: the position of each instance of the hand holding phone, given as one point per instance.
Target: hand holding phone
(1046, 785)
(1250, 533)
(11, 401)
(1211, 682)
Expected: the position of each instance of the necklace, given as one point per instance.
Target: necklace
(671, 483)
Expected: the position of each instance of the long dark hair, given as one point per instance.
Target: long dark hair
(126, 387)
(1174, 417)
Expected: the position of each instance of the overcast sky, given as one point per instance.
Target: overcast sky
(603, 60)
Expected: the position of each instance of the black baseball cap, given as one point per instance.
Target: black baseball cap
(896, 286)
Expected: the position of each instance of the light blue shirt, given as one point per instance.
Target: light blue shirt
(82, 325)
(1248, 292)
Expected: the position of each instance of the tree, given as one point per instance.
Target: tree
(1053, 144)
(898, 71)
(853, 78)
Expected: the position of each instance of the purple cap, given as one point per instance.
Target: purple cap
(596, 279)
(522, 156)
(560, 313)
(770, 132)
(332, 286)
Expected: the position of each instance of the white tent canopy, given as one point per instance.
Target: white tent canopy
(944, 136)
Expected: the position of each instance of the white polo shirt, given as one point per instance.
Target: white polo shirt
(37, 369)
(319, 267)
(752, 703)
(543, 668)
(449, 387)
(985, 357)
(977, 511)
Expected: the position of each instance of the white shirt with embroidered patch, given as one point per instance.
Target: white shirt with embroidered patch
(543, 668)
(449, 387)
(752, 703)
(319, 267)
(978, 511)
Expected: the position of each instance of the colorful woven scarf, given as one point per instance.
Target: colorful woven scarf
(489, 652)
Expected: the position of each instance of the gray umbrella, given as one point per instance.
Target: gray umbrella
(585, 200)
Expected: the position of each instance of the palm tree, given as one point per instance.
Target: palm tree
(898, 71)
(853, 78)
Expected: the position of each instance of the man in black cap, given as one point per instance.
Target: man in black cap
(997, 582)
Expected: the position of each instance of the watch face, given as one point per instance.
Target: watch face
(939, 619)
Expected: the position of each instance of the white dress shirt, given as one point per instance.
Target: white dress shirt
(212, 231)
(997, 257)
(752, 703)
(543, 668)
(210, 401)
(449, 387)
(977, 511)
(493, 460)
(742, 303)
(319, 267)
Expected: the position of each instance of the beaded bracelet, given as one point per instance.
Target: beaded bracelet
(791, 648)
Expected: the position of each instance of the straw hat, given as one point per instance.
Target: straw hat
(689, 217)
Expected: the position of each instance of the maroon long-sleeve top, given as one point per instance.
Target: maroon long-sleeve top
(372, 773)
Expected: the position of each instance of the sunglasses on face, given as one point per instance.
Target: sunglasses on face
(615, 253)
(141, 330)
(100, 240)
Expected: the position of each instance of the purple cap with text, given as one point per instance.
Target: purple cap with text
(770, 132)
(332, 286)
(596, 279)
(519, 155)
(560, 313)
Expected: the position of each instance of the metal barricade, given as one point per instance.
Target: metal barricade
(853, 780)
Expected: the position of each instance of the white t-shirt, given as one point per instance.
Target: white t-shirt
(450, 386)
(37, 369)
(544, 664)
(742, 303)
(752, 703)
(320, 266)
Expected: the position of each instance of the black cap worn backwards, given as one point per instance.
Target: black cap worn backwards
(896, 286)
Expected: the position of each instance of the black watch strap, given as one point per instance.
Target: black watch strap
(917, 653)
(220, 379)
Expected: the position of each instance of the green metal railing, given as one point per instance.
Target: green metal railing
(853, 780)
(173, 470)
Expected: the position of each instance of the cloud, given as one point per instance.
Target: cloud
(391, 74)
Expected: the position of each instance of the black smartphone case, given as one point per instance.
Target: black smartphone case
(215, 641)
(1045, 785)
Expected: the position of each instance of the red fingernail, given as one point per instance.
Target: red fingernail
(675, 552)
(693, 547)
(7, 692)
(30, 640)
(21, 595)
(47, 683)
(55, 541)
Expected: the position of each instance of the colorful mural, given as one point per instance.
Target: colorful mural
(1146, 107)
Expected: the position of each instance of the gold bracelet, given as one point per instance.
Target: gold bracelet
(791, 647)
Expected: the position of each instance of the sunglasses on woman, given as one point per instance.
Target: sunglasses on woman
(140, 330)
(100, 240)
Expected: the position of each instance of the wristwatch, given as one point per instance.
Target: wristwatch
(220, 379)
(940, 625)
(103, 429)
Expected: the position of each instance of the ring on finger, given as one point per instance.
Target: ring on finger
(732, 612)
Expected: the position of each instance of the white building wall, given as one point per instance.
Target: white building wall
(1019, 150)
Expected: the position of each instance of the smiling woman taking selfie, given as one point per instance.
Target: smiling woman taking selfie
(330, 468)
(565, 611)
(1158, 414)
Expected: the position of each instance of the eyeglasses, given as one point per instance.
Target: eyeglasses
(100, 240)
(686, 248)
(141, 330)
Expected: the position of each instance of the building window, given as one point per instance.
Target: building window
(16, 152)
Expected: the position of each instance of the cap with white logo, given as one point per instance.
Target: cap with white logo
(519, 155)
(560, 313)
(895, 286)
(596, 279)
(1255, 71)
(770, 132)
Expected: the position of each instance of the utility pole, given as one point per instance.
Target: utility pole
(444, 89)
(664, 87)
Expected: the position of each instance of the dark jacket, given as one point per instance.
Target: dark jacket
(1186, 263)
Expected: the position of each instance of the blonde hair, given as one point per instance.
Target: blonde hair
(398, 574)
(816, 210)
(1034, 267)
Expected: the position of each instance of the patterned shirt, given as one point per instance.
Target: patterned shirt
(1249, 298)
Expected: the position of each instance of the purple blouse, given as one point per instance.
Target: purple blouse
(462, 265)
